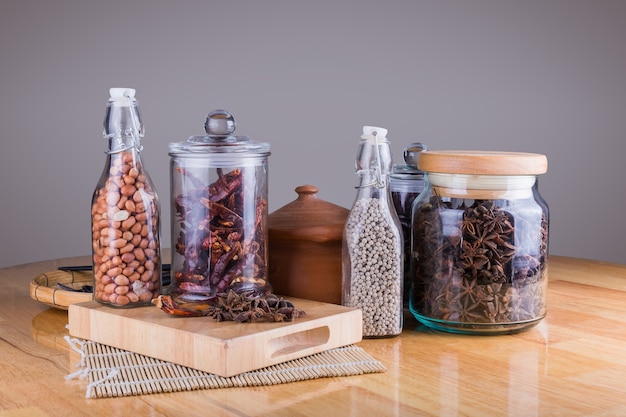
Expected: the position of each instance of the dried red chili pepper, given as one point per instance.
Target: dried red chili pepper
(219, 248)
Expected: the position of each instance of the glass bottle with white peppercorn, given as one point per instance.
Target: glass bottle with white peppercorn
(125, 212)
(372, 265)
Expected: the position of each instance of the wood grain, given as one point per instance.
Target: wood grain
(572, 364)
(224, 348)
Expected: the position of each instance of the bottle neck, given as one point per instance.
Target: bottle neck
(124, 143)
(123, 156)
(123, 126)
(374, 180)
(373, 165)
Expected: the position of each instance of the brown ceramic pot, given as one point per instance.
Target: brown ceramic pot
(305, 247)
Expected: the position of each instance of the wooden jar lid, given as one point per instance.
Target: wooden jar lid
(308, 218)
(482, 162)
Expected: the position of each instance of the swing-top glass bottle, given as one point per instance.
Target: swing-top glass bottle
(372, 266)
(125, 212)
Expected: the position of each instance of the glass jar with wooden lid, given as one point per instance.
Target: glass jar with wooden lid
(479, 245)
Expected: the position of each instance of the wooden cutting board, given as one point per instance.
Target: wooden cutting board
(222, 348)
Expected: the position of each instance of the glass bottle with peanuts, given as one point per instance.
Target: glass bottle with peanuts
(125, 212)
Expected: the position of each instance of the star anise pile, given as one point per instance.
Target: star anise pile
(250, 307)
(488, 243)
(242, 307)
(481, 263)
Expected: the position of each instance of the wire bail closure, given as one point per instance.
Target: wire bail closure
(129, 132)
(376, 168)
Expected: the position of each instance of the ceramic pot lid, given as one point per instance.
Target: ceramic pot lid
(308, 218)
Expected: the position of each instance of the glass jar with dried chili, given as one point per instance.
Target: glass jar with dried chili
(479, 242)
(218, 185)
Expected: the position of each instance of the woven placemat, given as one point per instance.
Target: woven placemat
(113, 372)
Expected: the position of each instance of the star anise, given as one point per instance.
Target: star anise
(470, 264)
(252, 307)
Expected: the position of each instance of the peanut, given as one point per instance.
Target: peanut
(128, 257)
(121, 215)
(121, 280)
(128, 248)
(125, 235)
(121, 290)
(129, 222)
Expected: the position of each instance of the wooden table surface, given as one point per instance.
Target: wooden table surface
(572, 363)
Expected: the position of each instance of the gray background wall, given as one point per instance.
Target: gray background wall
(545, 76)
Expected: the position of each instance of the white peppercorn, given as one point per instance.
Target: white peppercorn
(375, 284)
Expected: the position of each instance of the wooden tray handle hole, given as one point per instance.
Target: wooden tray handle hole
(296, 342)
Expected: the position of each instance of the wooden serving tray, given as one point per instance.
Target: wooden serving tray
(44, 288)
(222, 348)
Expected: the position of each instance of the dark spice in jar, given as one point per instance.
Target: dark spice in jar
(474, 265)
(403, 203)
(406, 182)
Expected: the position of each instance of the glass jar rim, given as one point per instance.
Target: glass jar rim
(482, 186)
(237, 147)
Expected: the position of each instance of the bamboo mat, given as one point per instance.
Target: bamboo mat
(113, 372)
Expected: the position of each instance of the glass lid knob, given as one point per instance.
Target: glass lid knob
(219, 124)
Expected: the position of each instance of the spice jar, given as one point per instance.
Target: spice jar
(219, 213)
(125, 212)
(372, 269)
(305, 247)
(406, 182)
(480, 242)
